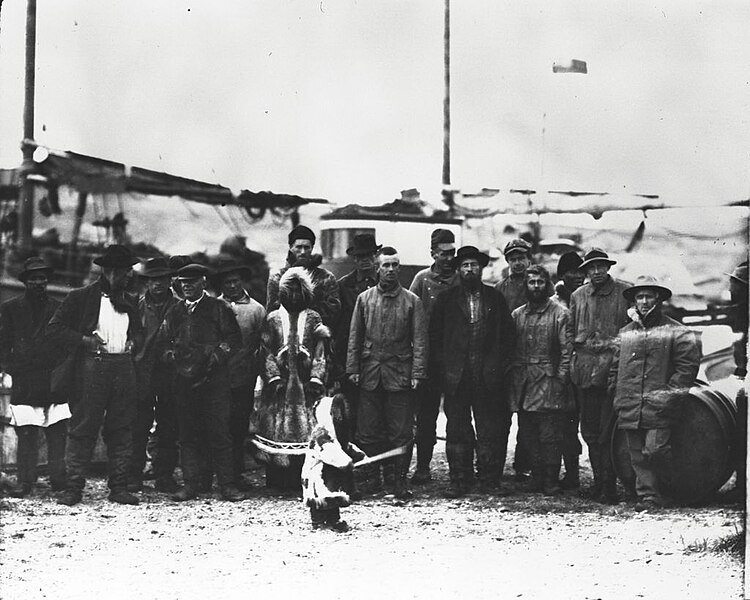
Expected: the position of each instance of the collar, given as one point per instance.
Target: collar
(390, 293)
(363, 277)
(244, 300)
(191, 305)
(605, 290)
(442, 277)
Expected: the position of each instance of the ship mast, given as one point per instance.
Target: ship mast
(26, 204)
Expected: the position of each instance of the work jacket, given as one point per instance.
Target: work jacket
(25, 353)
(513, 289)
(655, 365)
(429, 283)
(245, 363)
(449, 338)
(388, 339)
(539, 372)
(350, 286)
(596, 317)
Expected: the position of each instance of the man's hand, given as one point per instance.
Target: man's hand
(93, 343)
(414, 383)
(354, 378)
(276, 385)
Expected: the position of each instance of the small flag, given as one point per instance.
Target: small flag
(573, 66)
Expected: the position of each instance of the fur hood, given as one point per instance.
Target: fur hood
(299, 274)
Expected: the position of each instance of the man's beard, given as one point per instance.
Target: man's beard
(471, 282)
(536, 296)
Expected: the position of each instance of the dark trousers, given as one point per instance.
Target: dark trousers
(27, 455)
(385, 420)
(428, 409)
(204, 413)
(156, 402)
(239, 423)
(492, 422)
(108, 399)
(543, 434)
(596, 423)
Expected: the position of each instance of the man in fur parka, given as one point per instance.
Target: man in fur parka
(296, 347)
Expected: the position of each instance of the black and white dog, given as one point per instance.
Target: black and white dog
(327, 473)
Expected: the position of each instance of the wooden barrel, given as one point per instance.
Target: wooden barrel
(703, 447)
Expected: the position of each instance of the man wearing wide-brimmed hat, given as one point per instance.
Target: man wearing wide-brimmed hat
(598, 311)
(326, 302)
(29, 358)
(655, 365)
(101, 325)
(471, 342)
(199, 336)
(428, 284)
(156, 381)
(244, 366)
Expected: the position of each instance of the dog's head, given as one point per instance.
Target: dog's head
(324, 447)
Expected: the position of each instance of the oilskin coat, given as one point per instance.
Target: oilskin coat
(449, 339)
(655, 365)
(542, 359)
(597, 315)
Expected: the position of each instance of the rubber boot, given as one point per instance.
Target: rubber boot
(400, 469)
(609, 483)
(26, 458)
(57, 436)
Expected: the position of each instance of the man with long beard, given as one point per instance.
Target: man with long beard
(471, 339)
(100, 323)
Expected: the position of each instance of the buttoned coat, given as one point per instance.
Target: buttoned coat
(449, 338)
(541, 360)
(387, 339)
(25, 353)
(596, 317)
(428, 284)
(654, 367)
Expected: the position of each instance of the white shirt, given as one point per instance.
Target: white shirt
(112, 327)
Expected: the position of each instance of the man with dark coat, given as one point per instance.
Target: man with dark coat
(471, 339)
(517, 254)
(156, 381)
(540, 371)
(387, 358)
(598, 310)
(101, 325)
(29, 359)
(428, 284)
(326, 301)
(199, 336)
(244, 366)
(351, 285)
(655, 365)
(570, 277)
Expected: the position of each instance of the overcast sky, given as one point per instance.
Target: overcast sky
(343, 99)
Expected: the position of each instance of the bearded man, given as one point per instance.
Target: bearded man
(101, 325)
(471, 339)
(539, 392)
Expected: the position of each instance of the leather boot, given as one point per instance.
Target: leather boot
(594, 490)
(422, 472)
(571, 480)
(401, 468)
(57, 436)
(536, 483)
(26, 456)
(551, 483)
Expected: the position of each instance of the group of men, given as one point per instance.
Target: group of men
(590, 348)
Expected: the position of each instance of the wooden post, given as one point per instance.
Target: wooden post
(73, 247)
(26, 204)
(447, 98)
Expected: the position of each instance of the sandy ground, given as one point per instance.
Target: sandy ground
(519, 546)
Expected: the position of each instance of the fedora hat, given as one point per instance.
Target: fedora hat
(363, 243)
(35, 264)
(467, 252)
(226, 266)
(647, 282)
(155, 267)
(570, 261)
(192, 271)
(116, 256)
(739, 273)
(594, 255)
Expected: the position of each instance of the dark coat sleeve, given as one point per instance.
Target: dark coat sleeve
(420, 347)
(356, 338)
(507, 333)
(65, 326)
